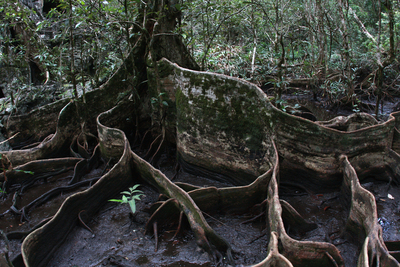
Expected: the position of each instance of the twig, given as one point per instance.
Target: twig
(214, 219)
(83, 223)
(254, 218)
(159, 146)
(258, 237)
(2, 142)
(331, 258)
(179, 226)
(151, 145)
(155, 235)
(105, 168)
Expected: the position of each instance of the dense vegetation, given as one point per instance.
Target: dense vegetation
(342, 50)
(124, 107)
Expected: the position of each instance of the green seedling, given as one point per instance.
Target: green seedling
(130, 197)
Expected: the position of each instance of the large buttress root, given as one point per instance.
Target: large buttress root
(363, 220)
(205, 235)
(299, 253)
(230, 128)
(38, 247)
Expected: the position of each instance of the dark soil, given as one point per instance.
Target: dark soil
(115, 237)
(118, 238)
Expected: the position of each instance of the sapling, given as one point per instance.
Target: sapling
(130, 197)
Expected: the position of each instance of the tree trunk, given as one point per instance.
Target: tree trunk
(347, 72)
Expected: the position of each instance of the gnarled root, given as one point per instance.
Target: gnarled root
(274, 258)
(299, 253)
(363, 220)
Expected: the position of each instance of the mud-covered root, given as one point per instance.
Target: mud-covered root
(274, 258)
(363, 220)
(310, 253)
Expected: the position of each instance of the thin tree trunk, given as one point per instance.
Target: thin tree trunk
(348, 73)
(321, 39)
(71, 49)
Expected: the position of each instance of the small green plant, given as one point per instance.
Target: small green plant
(155, 100)
(281, 104)
(130, 197)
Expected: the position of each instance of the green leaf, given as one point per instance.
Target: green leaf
(132, 205)
(134, 187)
(165, 103)
(124, 199)
(137, 197)
(115, 200)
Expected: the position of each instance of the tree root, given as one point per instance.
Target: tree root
(274, 258)
(363, 220)
(299, 253)
(253, 160)
(21, 174)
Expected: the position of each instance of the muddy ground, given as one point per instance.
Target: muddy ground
(115, 237)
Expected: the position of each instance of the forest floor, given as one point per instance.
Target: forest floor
(115, 237)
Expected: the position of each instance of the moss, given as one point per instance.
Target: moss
(213, 105)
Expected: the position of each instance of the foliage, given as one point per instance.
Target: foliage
(130, 197)
(250, 39)
(242, 39)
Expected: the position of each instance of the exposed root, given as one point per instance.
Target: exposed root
(159, 146)
(83, 223)
(179, 225)
(331, 258)
(274, 258)
(297, 252)
(166, 213)
(293, 219)
(151, 145)
(155, 235)
(50, 194)
(363, 220)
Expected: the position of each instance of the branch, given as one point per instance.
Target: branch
(363, 29)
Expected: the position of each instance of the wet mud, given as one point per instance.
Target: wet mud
(115, 237)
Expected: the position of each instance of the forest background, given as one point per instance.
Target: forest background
(342, 51)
